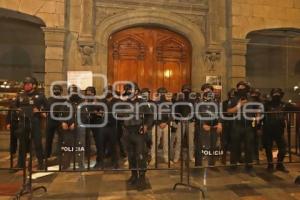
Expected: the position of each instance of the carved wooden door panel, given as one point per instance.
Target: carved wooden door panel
(152, 57)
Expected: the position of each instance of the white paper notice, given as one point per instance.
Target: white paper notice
(82, 79)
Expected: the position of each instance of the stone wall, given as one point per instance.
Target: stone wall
(201, 21)
(52, 12)
(76, 25)
(252, 15)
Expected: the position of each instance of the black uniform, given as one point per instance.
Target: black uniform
(94, 117)
(206, 141)
(73, 141)
(256, 125)
(107, 135)
(273, 130)
(12, 119)
(52, 124)
(29, 123)
(136, 140)
(162, 132)
(227, 128)
(188, 128)
(242, 134)
(145, 96)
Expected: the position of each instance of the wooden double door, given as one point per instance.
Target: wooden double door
(151, 57)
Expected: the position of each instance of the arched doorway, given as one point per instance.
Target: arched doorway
(152, 57)
(22, 53)
(22, 46)
(272, 60)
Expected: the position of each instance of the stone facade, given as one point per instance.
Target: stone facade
(52, 12)
(77, 31)
(252, 15)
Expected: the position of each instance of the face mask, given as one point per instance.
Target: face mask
(109, 95)
(208, 96)
(276, 99)
(255, 98)
(127, 93)
(145, 97)
(28, 87)
(74, 97)
(186, 95)
(57, 92)
(163, 97)
(242, 93)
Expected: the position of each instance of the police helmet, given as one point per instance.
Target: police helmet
(73, 89)
(207, 86)
(30, 79)
(186, 88)
(91, 89)
(145, 90)
(58, 88)
(244, 83)
(128, 86)
(162, 90)
(277, 90)
(255, 92)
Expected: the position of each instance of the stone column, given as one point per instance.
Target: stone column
(87, 20)
(86, 42)
(54, 56)
(238, 60)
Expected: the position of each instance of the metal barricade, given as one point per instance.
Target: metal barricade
(16, 142)
(185, 167)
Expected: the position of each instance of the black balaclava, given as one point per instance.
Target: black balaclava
(208, 96)
(276, 98)
(73, 92)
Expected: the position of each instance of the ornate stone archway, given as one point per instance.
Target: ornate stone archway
(164, 19)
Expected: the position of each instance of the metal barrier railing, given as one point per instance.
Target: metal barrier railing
(21, 148)
(291, 118)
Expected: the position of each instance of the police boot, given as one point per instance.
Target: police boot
(142, 184)
(224, 159)
(133, 178)
(297, 180)
(98, 165)
(41, 165)
(270, 167)
(281, 167)
(250, 171)
(115, 164)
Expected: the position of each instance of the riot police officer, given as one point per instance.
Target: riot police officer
(256, 125)
(93, 116)
(208, 126)
(273, 129)
(185, 111)
(31, 103)
(145, 95)
(161, 124)
(242, 131)
(108, 133)
(135, 134)
(227, 125)
(73, 135)
(52, 124)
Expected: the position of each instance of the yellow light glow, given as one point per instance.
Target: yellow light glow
(168, 73)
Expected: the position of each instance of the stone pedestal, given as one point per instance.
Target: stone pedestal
(54, 56)
(238, 61)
